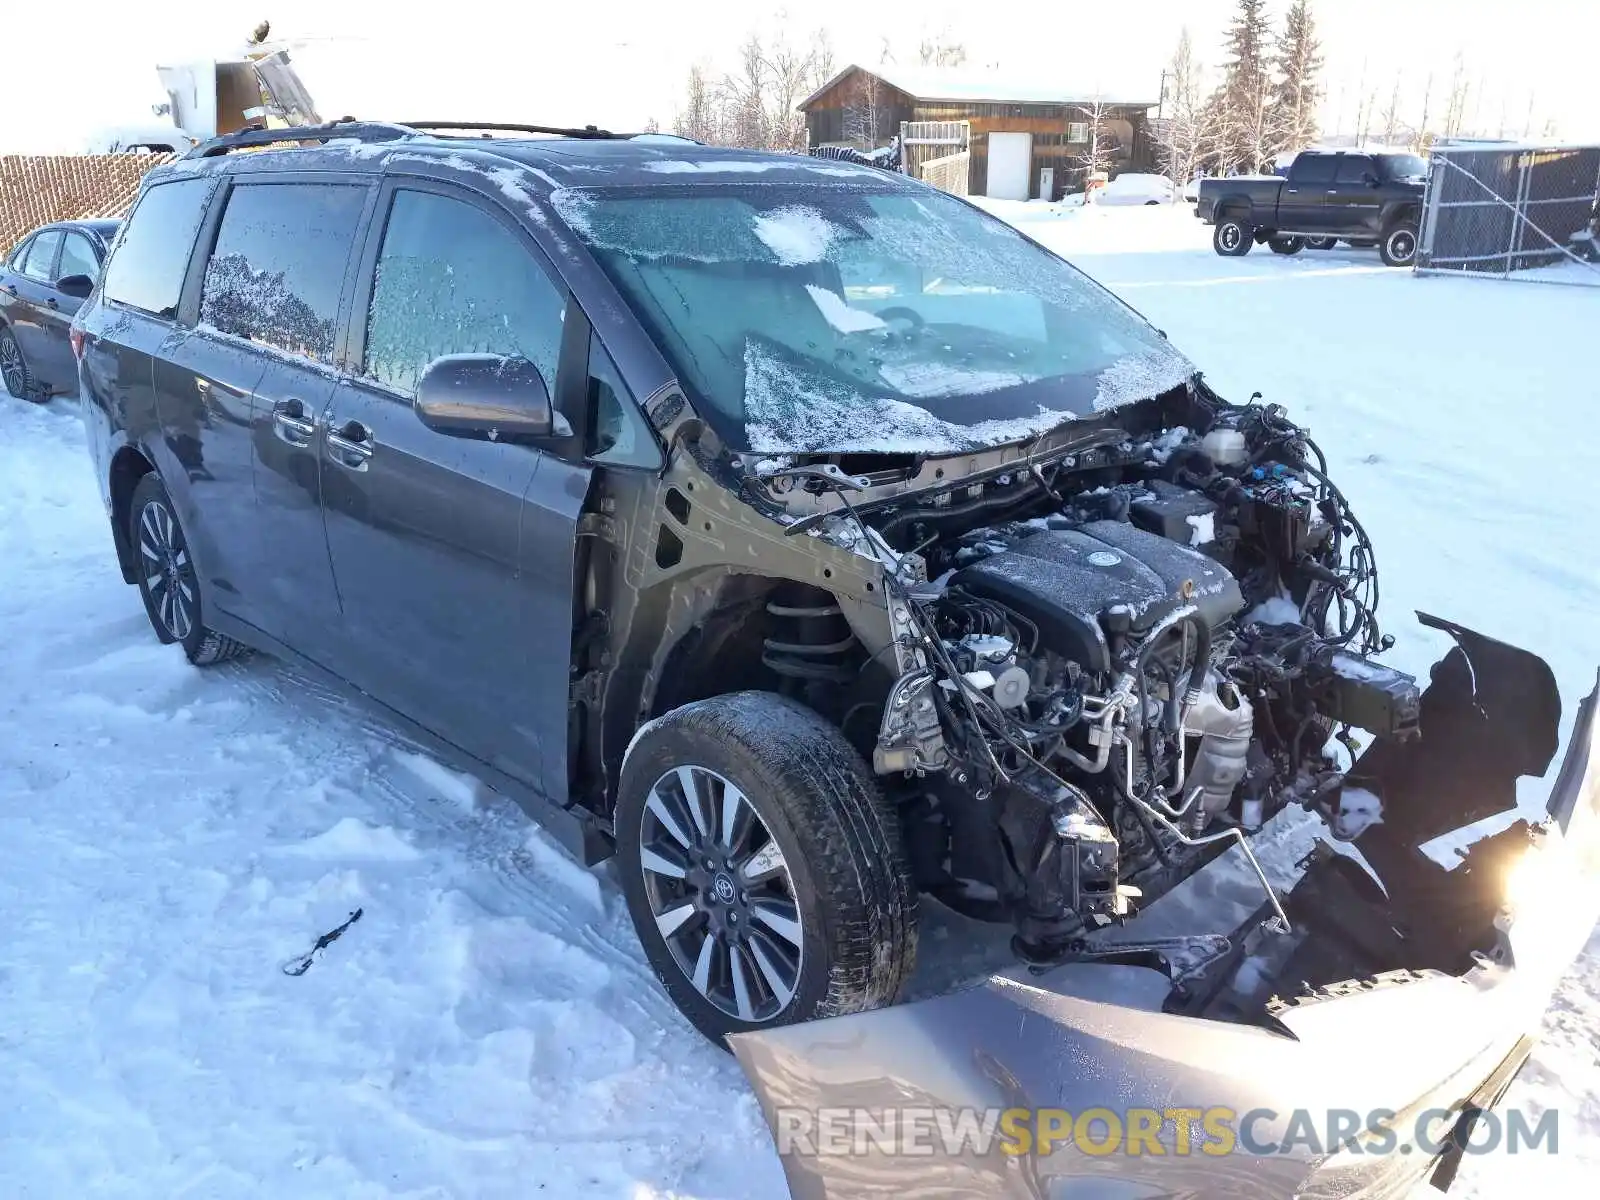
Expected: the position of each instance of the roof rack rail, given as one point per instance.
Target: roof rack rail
(487, 127)
(363, 131)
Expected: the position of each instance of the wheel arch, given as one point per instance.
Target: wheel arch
(128, 465)
(1401, 212)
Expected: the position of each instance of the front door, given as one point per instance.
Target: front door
(29, 287)
(77, 257)
(1302, 201)
(284, 251)
(1355, 202)
(454, 557)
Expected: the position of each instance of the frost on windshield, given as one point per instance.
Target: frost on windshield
(796, 235)
(828, 316)
(791, 412)
(1138, 377)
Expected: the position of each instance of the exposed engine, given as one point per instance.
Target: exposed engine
(1161, 646)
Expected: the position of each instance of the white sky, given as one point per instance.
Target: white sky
(618, 63)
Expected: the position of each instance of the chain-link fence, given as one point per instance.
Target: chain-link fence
(1522, 212)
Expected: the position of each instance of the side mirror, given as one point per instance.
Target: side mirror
(487, 396)
(1369, 179)
(76, 286)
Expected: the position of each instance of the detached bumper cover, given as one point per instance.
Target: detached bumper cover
(1078, 1038)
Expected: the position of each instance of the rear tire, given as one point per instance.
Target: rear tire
(807, 909)
(1231, 239)
(1321, 243)
(1399, 245)
(1286, 245)
(168, 583)
(18, 380)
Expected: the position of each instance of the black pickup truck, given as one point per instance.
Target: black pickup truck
(1359, 198)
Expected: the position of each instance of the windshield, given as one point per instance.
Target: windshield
(1404, 166)
(838, 318)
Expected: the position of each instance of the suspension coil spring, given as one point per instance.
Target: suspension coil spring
(816, 643)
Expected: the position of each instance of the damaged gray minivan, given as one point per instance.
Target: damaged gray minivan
(817, 544)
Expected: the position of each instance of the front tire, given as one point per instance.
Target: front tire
(19, 381)
(763, 868)
(167, 580)
(1286, 245)
(1231, 239)
(1399, 246)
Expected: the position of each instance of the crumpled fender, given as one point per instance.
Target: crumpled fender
(1093, 1035)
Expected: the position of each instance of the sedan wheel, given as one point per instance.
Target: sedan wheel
(14, 370)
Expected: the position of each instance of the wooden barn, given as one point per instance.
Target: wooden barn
(1022, 138)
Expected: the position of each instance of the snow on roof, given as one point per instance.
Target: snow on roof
(994, 87)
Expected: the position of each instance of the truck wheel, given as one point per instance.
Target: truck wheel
(1286, 245)
(1321, 243)
(1399, 245)
(1231, 239)
(763, 868)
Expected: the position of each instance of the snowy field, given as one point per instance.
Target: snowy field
(172, 837)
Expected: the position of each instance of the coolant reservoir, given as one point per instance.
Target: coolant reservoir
(1225, 447)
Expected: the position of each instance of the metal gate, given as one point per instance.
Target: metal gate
(1526, 212)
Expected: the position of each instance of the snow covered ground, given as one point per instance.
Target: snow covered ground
(172, 837)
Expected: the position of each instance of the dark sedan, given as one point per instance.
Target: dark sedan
(43, 282)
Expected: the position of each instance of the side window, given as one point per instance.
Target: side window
(451, 279)
(41, 259)
(621, 435)
(19, 254)
(146, 270)
(1316, 168)
(77, 258)
(1353, 169)
(278, 266)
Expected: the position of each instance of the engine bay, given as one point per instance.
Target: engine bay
(1118, 661)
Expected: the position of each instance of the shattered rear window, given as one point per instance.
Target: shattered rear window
(835, 317)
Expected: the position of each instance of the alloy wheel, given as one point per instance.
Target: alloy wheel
(12, 369)
(1231, 236)
(168, 571)
(721, 893)
(1402, 245)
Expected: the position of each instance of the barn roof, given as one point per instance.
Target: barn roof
(980, 87)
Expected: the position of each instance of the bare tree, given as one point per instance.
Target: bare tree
(940, 51)
(1182, 135)
(863, 117)
(1424, 136)
(1392, 127)
(651, 125)
(1455, 113)
(1100, 146)
(698, 118)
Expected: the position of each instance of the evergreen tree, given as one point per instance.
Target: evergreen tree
(1241, 105)
(1297, 92)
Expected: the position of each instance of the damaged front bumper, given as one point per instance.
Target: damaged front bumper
(1363, 1085)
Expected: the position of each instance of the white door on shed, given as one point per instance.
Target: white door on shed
(1010, 165)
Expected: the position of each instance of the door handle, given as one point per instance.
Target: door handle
(290, 422)
(12, 288)
(350, 446)
(50, 302)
